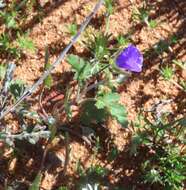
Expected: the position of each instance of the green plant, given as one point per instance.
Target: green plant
(165, 163)
(152, 23)
(72, 28)
(167, 73)
(13, 41)
(25, 43)
(91, 178)
(123, 41)
(99, 46)
(109, 102)
(183, 84)
(9, 19)
(142, 15)
(169, 170)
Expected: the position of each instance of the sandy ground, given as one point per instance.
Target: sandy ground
(140, 92)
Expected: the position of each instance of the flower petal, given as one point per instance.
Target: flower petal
(130, 59)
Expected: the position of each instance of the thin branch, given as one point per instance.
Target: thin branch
(56, 63)
(67, 150)
(8, 78)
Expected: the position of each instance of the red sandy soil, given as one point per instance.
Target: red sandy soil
(141, 91)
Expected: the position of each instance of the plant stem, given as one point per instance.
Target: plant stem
(67, 150)
(176, 84)
(56, 63)
(107, 24)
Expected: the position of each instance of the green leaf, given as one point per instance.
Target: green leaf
(90, 113)
(73, 28)
(110, 101)
(107, 100)
(152, 24)
(9, 19)
(81, 68)
(16, 88)
(119, 112)
(36, 183)
(49, 80)
(76, 62)
(25, 43)
(109, 6)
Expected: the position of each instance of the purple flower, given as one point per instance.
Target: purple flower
(130, 59)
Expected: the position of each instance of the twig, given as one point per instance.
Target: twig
(176, 84)
(73, 132)
(56, 63)
(67, 150)
(44, 156)
(41, 105)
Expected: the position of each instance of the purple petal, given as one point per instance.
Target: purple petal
(130, 59)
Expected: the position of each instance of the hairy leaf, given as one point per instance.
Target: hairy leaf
(111, 103)
(81, 67)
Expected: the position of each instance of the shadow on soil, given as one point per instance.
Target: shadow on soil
(124, 168)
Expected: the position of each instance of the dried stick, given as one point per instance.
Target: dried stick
(56, 63)
(8, 78)
(67, 156)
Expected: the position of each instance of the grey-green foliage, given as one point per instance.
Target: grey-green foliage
(49, 80)
(16, 88)
(99, 46)
(9, 19)
(2, 4)
(38, 132)
(91, 179)
(90, 187)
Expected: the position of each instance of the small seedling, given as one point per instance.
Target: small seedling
(152, 23)
(167, 73)
(123, 41)
(9, 19)
(25, 43)
(73, 28)
(142, 15)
